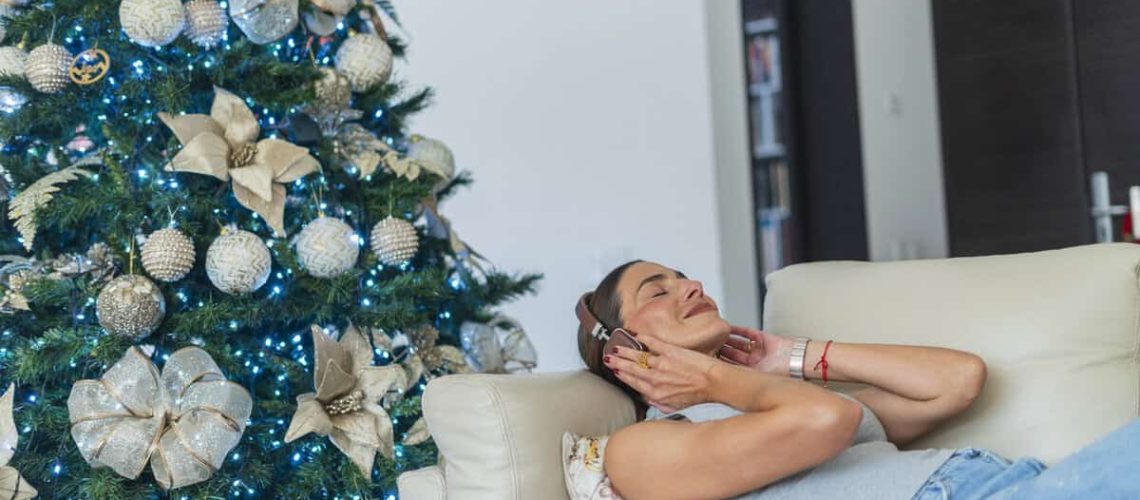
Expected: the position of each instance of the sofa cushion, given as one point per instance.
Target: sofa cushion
(1057, 329)
(500, 434)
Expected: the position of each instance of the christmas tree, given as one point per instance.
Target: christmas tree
(225, 268)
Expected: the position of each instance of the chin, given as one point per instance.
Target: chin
(712, 332)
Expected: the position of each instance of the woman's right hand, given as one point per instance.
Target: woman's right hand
(677, 377)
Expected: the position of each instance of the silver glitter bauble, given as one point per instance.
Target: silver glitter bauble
(434, 153)
(168, 254)
(238, 262)
(333, 90)
(327, 247)
(130, 306)
(12, 61)
(264, 21)
(46, 68)
(152, 23)
(395, 241)
(366, 60)
(206, 23)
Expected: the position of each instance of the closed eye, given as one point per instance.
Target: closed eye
(658, 294)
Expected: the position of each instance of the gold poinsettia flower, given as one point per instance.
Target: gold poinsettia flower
(224, 144)
(12, 485)
(346, 405)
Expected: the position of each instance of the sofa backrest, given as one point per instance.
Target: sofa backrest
(1058, 331)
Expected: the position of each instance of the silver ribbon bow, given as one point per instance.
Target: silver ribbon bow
(183, 421)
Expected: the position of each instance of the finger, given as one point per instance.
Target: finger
(739, 343)
(734, 355)
(627, 360)
(722, 357)
(630, 354)
(744, 331)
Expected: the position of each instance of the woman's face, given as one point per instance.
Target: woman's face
(667, 304)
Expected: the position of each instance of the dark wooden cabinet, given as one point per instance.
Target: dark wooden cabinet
(1034, 96)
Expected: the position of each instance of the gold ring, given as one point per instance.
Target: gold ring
(643, 360)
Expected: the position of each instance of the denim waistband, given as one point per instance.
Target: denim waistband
(975, 473)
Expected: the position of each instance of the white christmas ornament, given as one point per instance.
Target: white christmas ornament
(366, 60)
(327, 247)
(12, 61)
(130, 306)
(152, 23)
(11, 100)
(168, 254)
(205, 23)
(238, 262)
(395, 241)
(47, 66)
(264, 21)
(433, 155)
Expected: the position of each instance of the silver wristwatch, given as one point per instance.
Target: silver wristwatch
(796, 363)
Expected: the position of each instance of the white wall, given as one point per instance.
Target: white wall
(586, 125)
(898, 108)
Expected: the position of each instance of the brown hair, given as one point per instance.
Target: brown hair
(606, 307)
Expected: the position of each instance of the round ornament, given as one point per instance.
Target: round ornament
(327, 247)
(395, 241)
(264, 21)
(168, 254)
(366, 60)
(130, 306)
(152, 23)
(433, 153)
(238, 262)
(206, 23)
(47, 68)
(333, 90)
(89, 66)
(12, 61)
(11, 100)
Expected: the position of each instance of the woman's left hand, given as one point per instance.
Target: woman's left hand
(768, 353)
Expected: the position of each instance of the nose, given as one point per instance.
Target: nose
(693, 290)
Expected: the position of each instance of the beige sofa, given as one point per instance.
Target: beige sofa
(1058, 330)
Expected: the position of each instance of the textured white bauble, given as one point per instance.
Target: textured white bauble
(434, 153)
(238, 262)
(168, 254)
(46, 68)
(206, 23)
(12, 61)
(152, 23)
(327, 247)
(130, 306)
(264, 21)
(394, 241)
(366, 60)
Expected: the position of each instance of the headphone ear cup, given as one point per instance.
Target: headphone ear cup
(619, 337)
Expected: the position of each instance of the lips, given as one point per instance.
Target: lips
(700, 308)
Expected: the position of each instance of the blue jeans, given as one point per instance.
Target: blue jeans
(1106, 469)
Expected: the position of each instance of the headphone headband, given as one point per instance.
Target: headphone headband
(587, 318)
(599, 331)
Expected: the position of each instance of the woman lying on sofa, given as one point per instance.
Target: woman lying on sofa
(723, 416)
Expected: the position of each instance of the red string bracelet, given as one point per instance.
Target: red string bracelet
(823, 361)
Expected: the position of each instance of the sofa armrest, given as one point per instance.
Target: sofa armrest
(422, 484)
